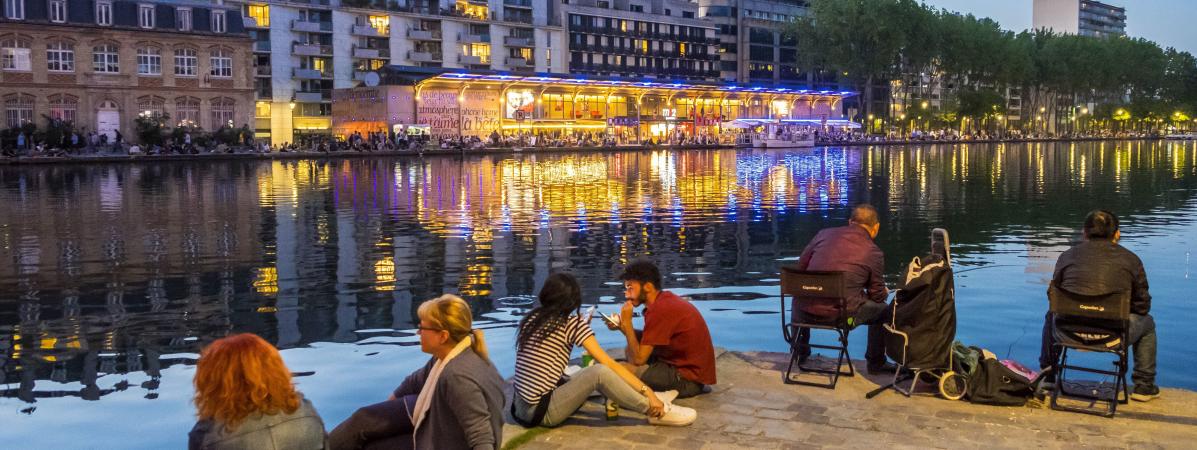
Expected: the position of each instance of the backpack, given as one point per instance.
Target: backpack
(989, 381)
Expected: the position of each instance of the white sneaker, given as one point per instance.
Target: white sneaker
(675, 416)
(666, 397)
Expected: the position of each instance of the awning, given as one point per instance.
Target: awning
(836, 123)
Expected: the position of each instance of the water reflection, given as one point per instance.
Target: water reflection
(116, 275)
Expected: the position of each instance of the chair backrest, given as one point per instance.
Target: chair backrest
(1111, 307)
(812, 284)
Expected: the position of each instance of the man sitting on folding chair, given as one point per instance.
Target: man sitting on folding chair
(1100, 266)
(850, 249)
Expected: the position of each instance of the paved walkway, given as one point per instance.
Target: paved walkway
(752, 408)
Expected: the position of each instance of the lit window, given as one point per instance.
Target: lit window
(14, 55)
(105, 59)
(58, 11)
(185, 62)
(260, 14)
(222, 63)
(222, 112)
(64, 107)
(151, 106)
(149, 61)
(380, 23)
(18, 110)
(183, 19)
(218, 25)
(60, 56)
(145, 16)
(104, 13)
(187, 112)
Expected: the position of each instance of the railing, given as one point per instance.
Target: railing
(518, 18)
(518, 3)
(262, 71)
(311, 97)
(368, 30)
(261, 46)
(472, 38)
(311, 27)
(311, 49)
(371, 53)
(424, 56)
(426, 35)
(518, 41)
(471, 59)
(517, 62)
(308, 74)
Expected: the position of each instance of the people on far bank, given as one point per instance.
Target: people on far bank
(454, 402)
(850, 249)
(545, 339)
(245, 399)
(673, 352)
(1097, 266)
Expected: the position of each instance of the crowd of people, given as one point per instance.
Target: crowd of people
(245, 397)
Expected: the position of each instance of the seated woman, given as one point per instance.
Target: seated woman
(454, 402)
(245, 399)
(543, 344)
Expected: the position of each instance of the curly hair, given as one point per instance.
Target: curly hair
(241, 375)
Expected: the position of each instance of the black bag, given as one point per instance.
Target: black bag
(994, 384)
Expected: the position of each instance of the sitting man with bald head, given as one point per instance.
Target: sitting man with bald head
(850, 249)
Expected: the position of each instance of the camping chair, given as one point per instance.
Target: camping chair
(1091, 323)
(806, 287)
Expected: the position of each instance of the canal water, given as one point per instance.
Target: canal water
(112, 277)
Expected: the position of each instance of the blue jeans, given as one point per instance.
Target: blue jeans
(570, 396)
(1142, 339)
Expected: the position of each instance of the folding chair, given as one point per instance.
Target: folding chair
(1090, 323)
(809, 287)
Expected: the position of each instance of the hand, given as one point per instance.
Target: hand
(391, 397)
(656, 408)
(625, 316)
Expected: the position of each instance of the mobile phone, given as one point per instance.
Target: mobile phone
(612, 320)
(589, 314)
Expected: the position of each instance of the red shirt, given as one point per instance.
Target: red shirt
(679, 337)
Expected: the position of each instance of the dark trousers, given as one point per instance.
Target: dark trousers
(872, 314)
(1142, 339)
(385, 425)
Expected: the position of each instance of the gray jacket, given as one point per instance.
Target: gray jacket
(467, 408)
(301, 430)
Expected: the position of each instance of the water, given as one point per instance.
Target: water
(114, 276)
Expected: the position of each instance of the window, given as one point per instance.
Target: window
(185, 62)
(105, 59)
(60, 56)
(58, 11)
(14, 9)
(145, 16)
(222, 63)
(636, 8)
(668, 12)
(688, 14)
(187, 111)
(222, 112)
(18, 110)
(104, 13)
(183, 18)
(63, 107)
(260, 14)
(218, 25)
(14, 54)
(151, 106)
(149, 61)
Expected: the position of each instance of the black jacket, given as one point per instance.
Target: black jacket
(1103, 267)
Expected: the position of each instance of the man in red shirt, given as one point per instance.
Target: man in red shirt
(674, 351)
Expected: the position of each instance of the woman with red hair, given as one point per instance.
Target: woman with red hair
(245, 399)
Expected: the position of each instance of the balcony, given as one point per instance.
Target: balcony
(309, 97)
(262, 71)
(311, 27)
(517, 63)
(470, 60)
(262, 46)
(516, 41)
(360, 75)
(518, 3)
(424, 56)
(311, 50)
(470, 38)
(370, 31)
(371, 53)
(518, 18)
(250, 22)
(424, 35)
(308, 74)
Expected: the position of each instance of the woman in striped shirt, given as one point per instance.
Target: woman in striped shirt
(545, 339)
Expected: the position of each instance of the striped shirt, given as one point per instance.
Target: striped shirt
(539, 363)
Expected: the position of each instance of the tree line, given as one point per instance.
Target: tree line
(1133, 82)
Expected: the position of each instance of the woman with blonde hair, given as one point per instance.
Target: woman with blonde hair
(454, 402)
(245, 398)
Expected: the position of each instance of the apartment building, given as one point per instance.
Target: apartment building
(653, 39)
(1083, 17)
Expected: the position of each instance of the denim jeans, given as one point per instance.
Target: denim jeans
(870, 313)
(1142, 339)
(384, 425)
(570, 396)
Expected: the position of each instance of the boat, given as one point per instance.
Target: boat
(1181, 137)
(796, 140)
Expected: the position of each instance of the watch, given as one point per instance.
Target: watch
(644, 390)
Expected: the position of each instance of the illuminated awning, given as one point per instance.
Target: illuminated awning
(820, 122)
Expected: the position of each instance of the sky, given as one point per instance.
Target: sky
(1167, 22)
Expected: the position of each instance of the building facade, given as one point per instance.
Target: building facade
(99, 64)
(655, 39)
(306, 48)
(1083, 17)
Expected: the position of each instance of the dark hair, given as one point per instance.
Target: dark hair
(643, 271)
(1101, 224)
(559, 296)
(864, 214)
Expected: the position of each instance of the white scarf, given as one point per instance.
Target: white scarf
(424, 400)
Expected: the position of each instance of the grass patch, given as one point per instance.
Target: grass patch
(523, 438)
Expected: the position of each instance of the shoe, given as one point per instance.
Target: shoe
(667, 397)
(675, 416)
(882, 369)
(1145, 392)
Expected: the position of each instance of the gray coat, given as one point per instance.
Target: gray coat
(302, 430)
(467, 408)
